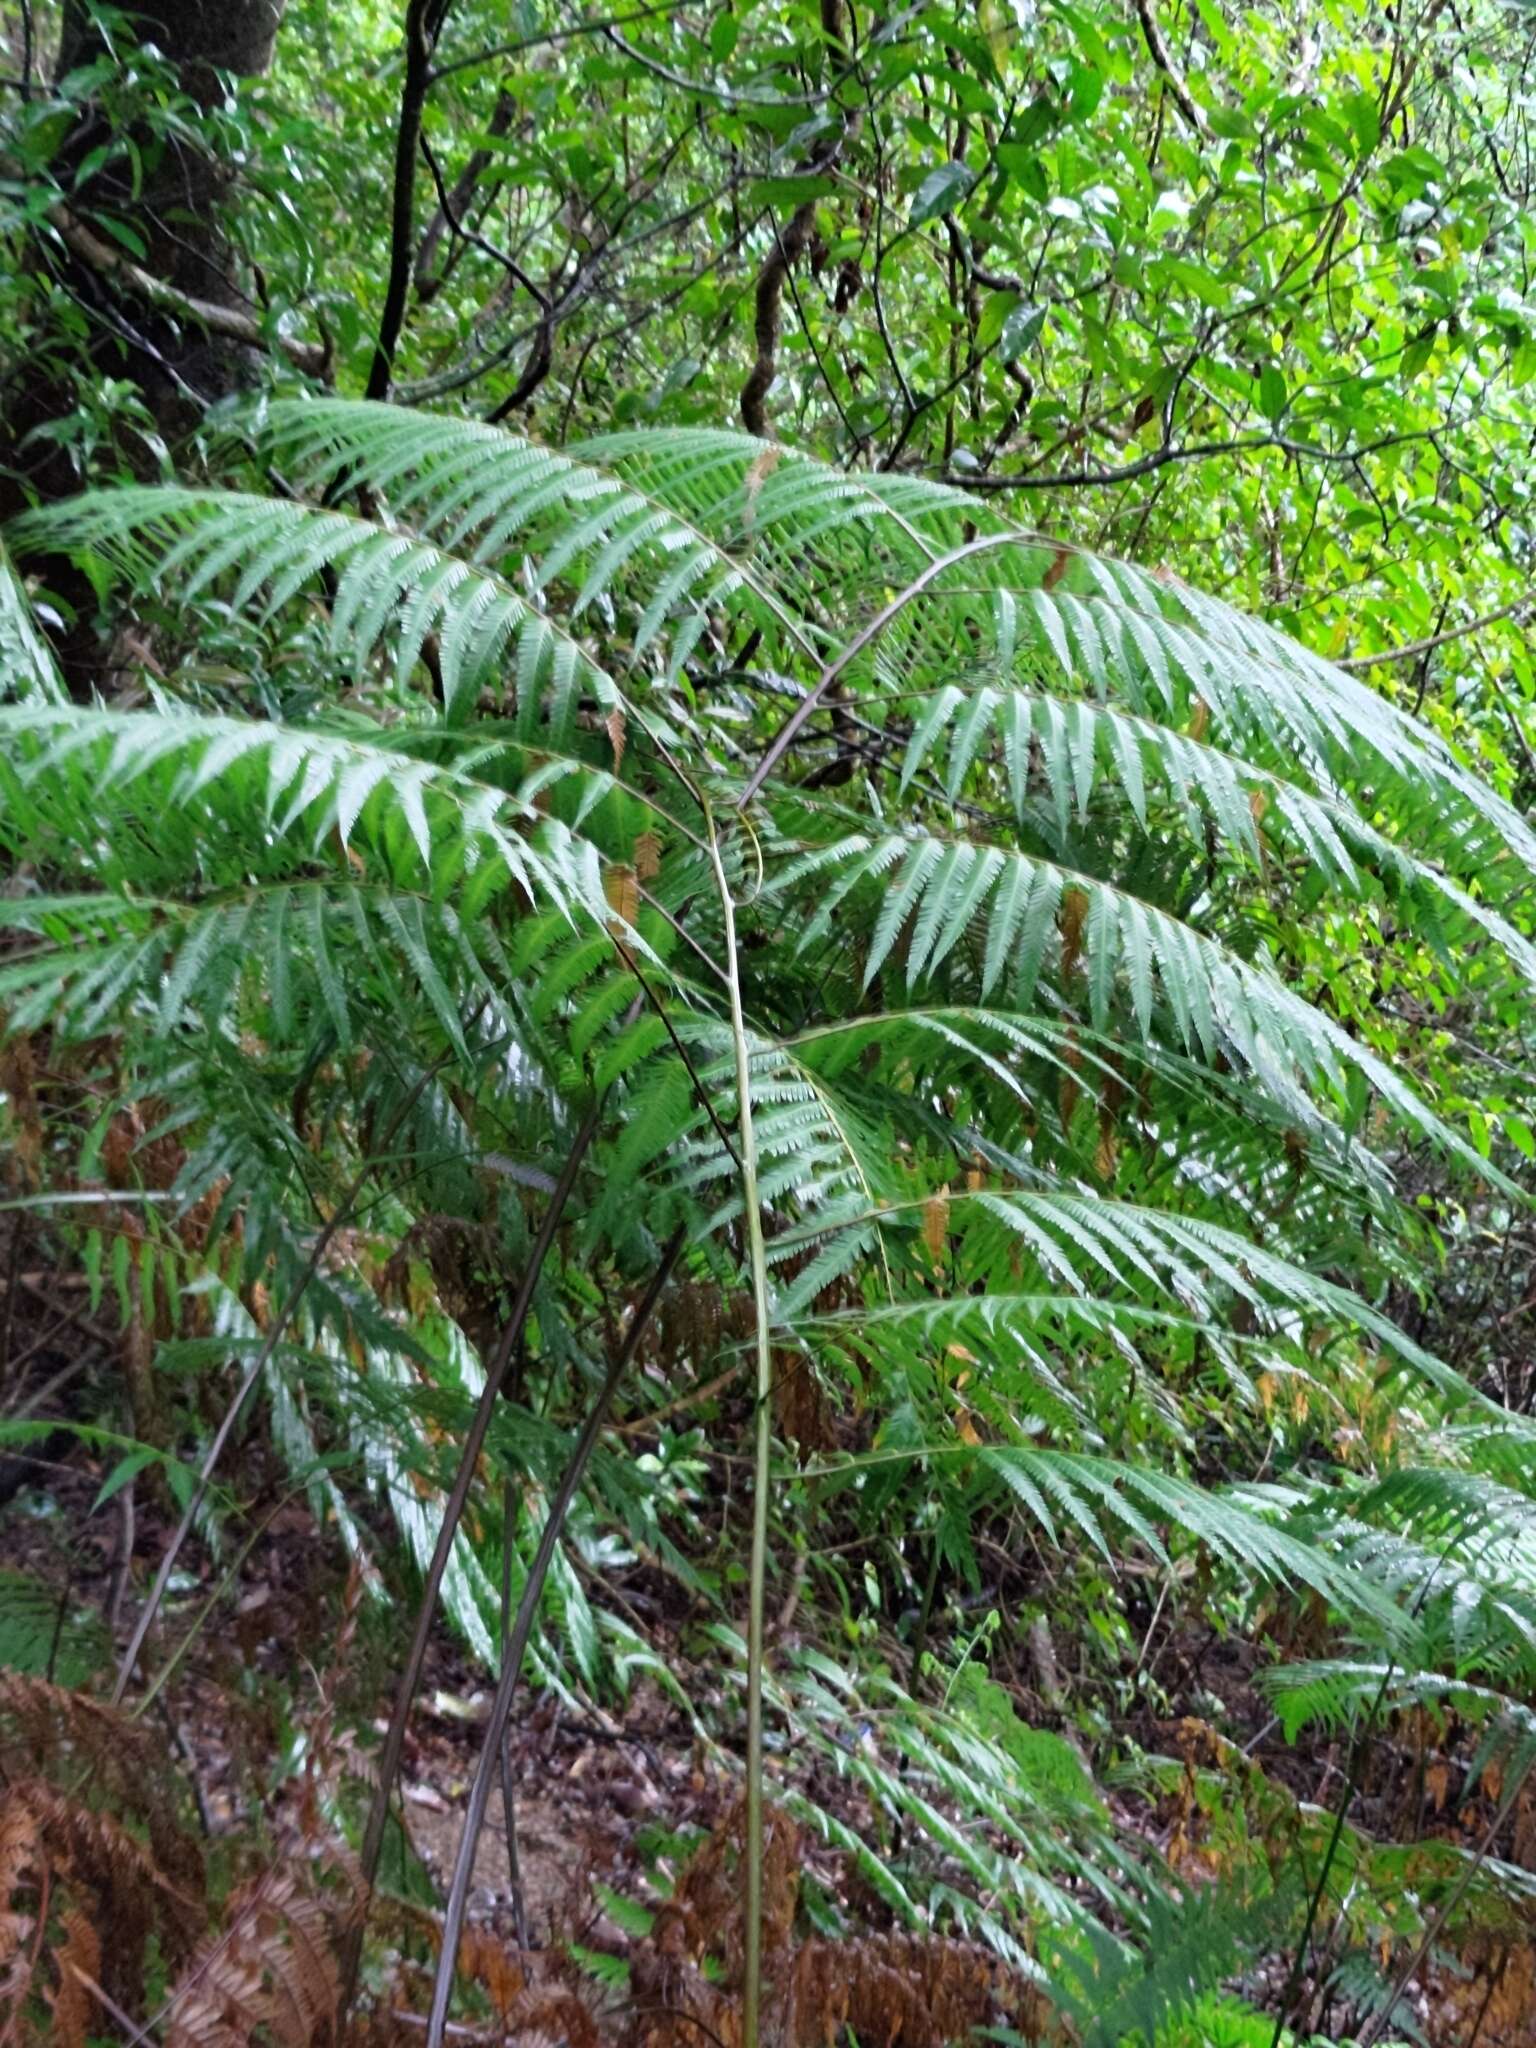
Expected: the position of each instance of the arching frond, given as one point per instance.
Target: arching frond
(27, 668)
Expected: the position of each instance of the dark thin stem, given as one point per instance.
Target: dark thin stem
(727, 95)
(61, 1615)
(496, 1729)
(462, 232)
(1412, 648)
(1157, 49)
(700, 1091)
(504, 1757)
(173, 1663)
(539, 363)
(474, 1444)
(420, 20)
(1336, 1835)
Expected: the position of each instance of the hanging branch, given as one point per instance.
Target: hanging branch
(453, 206)
(788, 246)
(1157, 49)
(541, 358)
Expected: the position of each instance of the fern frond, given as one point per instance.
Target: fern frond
(1218, 1002)
(1057, 611)
(48, 1732)
(482, 494)
(390, 589)
(306, 781)
(1080, 743)
(272, 1974)
(28, 671)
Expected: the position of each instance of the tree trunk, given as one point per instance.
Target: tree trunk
(197, 35)
(179, 362)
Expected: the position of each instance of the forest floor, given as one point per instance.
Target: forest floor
(608, 1801)
(586, 1782)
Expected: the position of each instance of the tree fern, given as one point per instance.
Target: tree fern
(1069, 1158)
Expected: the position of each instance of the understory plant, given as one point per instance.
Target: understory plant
(671, 908)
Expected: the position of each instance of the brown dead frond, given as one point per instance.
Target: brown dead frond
(703, 1916)
(489, 1963)
(72, 2004)
(549, 2017)
(82, 1897)
(18, 1079)
(19, 1859)
(91, 1862)
(273, 1972)
(462, 1263)
(800, 1408)
(101, 1756)
(905, 1991)
(1486, 1994)
(536, 1999)
(899, 1990)
(694, 1322)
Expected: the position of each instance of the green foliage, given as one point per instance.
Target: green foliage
(1137, 1003)
(46, 1638)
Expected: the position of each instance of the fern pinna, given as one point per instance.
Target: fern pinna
(476, 792)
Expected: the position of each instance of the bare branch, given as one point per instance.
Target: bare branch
(452, 208)
(552, 35)
(112, 264)
(1160, 458)
(1521, 608)
(1157, 49)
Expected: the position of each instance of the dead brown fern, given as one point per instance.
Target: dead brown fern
(72, 2003)
(535, 1999)
(82, 1899)
(272, 1973)
(18, 1858)
(101, 1756)
(800, 1408)
(97, 1875)
(466, 1267)
(886, 1990)
(548, 2016)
